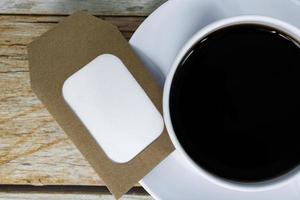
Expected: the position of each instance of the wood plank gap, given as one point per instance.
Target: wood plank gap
(65, 15)
(57, 189)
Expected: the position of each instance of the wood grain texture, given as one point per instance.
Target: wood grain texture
(18, 31)
(66, 196)
(95, 7)
(33, 148)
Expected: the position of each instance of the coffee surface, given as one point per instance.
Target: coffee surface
(235, 103)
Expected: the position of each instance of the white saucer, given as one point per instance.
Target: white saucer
(157, 41)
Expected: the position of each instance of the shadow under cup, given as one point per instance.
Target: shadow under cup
(235, 105)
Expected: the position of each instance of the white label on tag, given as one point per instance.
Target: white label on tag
(113, 107)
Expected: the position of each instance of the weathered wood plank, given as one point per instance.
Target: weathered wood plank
(96, 7)
(38, 196)
(18, 31)
(67, 195)
(33, 148)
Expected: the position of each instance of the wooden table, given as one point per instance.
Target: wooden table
(34, 151)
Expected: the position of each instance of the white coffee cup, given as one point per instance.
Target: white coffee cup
(247, 19)
(100, 100)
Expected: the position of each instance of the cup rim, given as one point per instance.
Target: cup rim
(290, 30)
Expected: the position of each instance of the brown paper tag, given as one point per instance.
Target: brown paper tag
(61, 52)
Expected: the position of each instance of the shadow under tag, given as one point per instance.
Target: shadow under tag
(62, 51)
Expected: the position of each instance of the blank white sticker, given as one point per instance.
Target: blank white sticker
(113, 107)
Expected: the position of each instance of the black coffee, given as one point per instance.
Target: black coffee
(235, 103)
